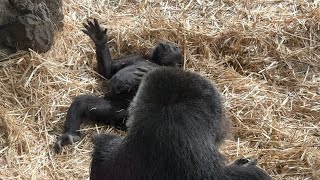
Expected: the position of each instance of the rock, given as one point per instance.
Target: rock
(29, 24)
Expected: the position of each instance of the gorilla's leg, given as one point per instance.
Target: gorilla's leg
(85, 107)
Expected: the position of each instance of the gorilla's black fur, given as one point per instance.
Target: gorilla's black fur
(175, 127)
(125, 75)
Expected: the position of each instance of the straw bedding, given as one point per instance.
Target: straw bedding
(263, 55)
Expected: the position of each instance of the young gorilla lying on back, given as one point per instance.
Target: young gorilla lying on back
(175, 127)
(124, 76)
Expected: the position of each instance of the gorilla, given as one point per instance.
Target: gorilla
(175, 126)
(124, 76)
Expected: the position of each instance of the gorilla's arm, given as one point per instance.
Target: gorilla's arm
(106, 66)
(100, 39)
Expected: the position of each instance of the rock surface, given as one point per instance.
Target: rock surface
(29, 24)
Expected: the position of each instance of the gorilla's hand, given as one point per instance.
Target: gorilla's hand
(142, 72)
(95, 32)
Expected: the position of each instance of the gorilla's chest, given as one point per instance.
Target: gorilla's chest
(125, 80)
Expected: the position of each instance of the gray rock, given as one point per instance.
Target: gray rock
(29, 24)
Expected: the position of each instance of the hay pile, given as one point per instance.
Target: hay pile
(264, 57)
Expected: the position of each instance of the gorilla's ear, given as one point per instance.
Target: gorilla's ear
(158, 53)
(155, 57)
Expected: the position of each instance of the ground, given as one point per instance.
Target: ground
(263, 55)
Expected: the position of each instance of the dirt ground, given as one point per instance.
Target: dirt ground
(264, 57)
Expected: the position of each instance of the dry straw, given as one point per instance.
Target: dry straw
(263, 55)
